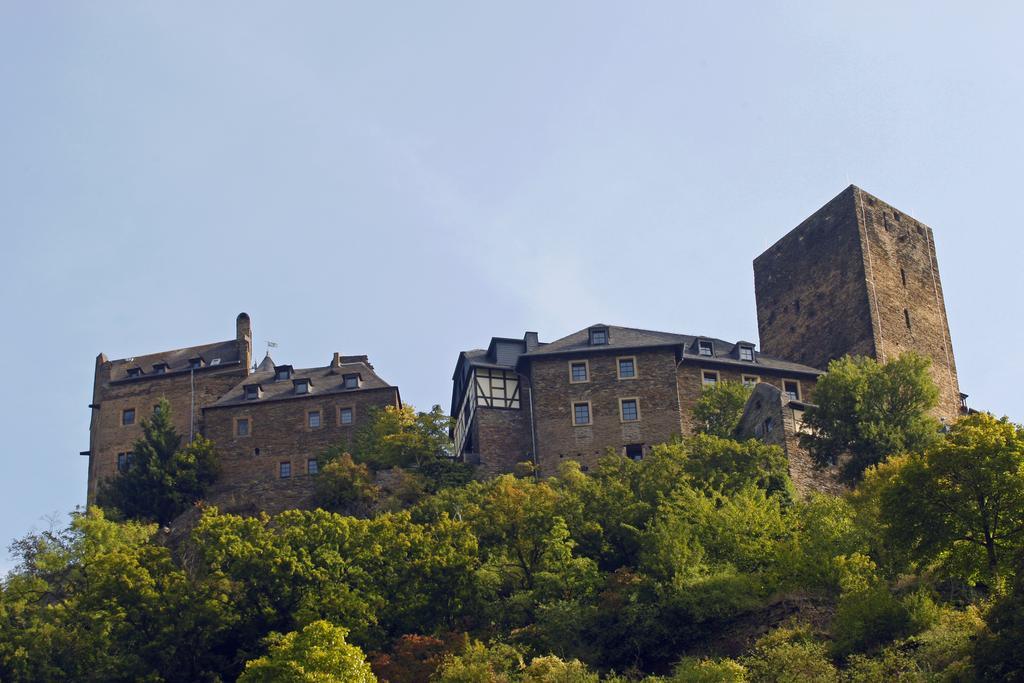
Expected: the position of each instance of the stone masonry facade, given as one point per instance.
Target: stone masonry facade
(857, 277)
(268, 423)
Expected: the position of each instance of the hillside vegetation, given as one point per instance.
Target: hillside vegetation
(698, 563)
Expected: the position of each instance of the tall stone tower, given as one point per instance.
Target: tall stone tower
(857, 277)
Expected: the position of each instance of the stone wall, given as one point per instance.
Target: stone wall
(768, 403)
(502, 437)
(690, 383)
(858, 277)
(279, 432)
(108, 436)
(812, 302)
(558, 439)
(906, 294)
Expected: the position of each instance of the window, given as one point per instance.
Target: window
(906, 317)
(747, 353)
(750, 380)
(635, 451)
(598, 335)
(122, 462)
(302, 386)
(312, 466)
(159, 368)
(629, 409)
(195, 363)
(285, 469)
(627, 368)
(282, 372)
(768, 425)
(903, 276)
(252, 392)
(796, 306)
(345, 416)
(128, 416)
(709, 378)
(581, 413)
(579, 371)
(351, 382)
(791, 388)
(135, 372)
(704, 348)
(241, 426)
(156, 409)
(313, 419)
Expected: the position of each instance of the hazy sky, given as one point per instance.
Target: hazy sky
(407, 181)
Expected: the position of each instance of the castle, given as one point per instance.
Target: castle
(856, 277)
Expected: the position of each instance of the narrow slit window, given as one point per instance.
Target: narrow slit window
(906, 317)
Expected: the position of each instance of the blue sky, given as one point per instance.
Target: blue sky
(407, 181)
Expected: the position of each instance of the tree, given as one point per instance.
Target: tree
(963, 498)
(162, 479)
(870, 411)
(100, 601)
(720, 407)
(402, 437)
(316, 654)
(345, 486)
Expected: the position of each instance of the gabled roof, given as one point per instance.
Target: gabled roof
(326, 381)
(177, 360)
(630, 338)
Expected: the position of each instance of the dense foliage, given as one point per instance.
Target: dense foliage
(697, 563)
(868, 411)
(720, 407)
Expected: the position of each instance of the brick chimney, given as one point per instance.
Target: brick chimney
(243, 335)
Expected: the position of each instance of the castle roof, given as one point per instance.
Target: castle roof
(327, 380)
(621, 339)
(509, 353)
(177, 360)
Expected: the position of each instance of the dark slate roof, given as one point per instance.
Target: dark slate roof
(481, 358)
(177, 360)
(627, 338)
(325, 381)
(267, 364)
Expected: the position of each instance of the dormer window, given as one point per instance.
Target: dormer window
(253, 392)
(747, 353)
(351, 381)
(196, 363)
(282, 372)
(159, 368)
(704, 348)
(302, 386)
(135, 372)
(598, 336)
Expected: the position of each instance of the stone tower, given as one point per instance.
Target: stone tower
(857, 277)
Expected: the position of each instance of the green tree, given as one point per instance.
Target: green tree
(963, 498)
(402, 437)
(316, 654)
(162, 478)
(720, 407)
(99, 601)
(868, 411)
(344, 485)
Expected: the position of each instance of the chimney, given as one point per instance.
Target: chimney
(336, 362)
(531, 341)
(243, 335)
